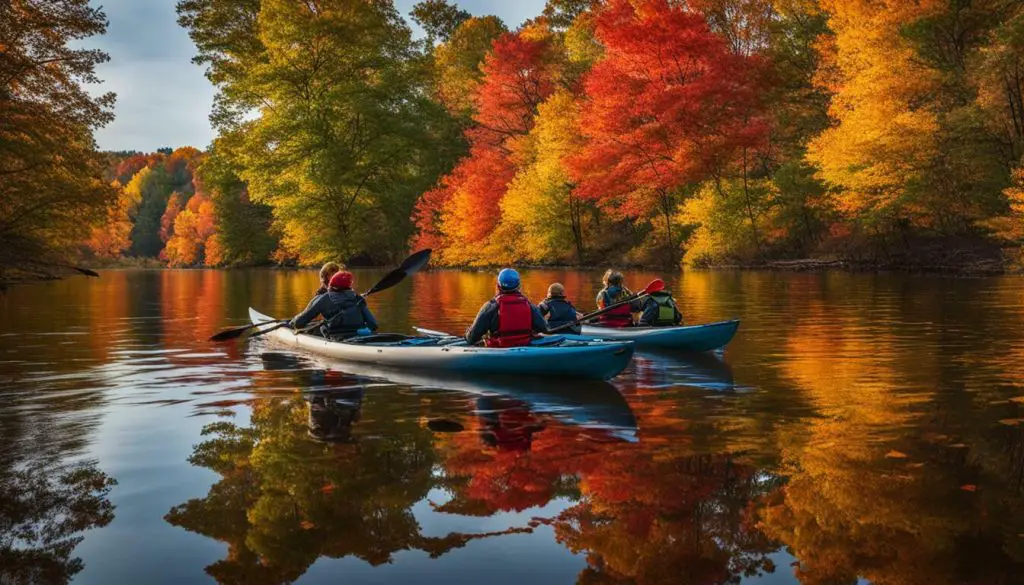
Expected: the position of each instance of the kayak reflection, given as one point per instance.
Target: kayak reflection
(667, 368)
(591, 404)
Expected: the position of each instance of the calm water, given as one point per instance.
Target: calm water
(859, 428)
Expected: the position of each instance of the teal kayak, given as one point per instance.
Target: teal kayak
(570, 358)
(693, 338)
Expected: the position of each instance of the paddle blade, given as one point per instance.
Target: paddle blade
(390, 279)
(441, 425)
(229, 334)
(416, 261)
(656, 285)
(410, 265)
(87, 272)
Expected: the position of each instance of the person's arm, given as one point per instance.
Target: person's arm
(311, 311)
(540, 324)
(600, 299)
(482, 324)
(544, 309)
(371, 322)
(650, 313)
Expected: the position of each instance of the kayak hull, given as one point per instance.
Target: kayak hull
(690, 338)
(597, 360)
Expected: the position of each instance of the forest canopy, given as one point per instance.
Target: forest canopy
(645, 132)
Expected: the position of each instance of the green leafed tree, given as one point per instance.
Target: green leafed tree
(339, 134)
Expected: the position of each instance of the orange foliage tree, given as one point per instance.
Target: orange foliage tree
(668, 105)
(193, 229)
(520, 72)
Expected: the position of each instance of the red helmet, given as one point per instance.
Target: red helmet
(341, 280)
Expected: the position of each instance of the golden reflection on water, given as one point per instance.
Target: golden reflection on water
(867, 425)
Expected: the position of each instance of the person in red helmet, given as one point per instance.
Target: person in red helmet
(509, 319)
(344, 311)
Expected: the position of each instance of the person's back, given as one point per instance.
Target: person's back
(660, 310)
(509, 319)
(559, 310)
(612, 293)
(344, 311)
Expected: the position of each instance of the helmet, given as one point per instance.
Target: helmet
(341, 279)
(508, 279)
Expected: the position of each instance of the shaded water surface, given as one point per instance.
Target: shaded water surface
(859, 428)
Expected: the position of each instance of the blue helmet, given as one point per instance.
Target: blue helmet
(508, 279)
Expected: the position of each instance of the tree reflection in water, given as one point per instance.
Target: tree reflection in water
(301, 482)
(44, 509)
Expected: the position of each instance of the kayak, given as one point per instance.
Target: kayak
(568, 358)
(693, 338)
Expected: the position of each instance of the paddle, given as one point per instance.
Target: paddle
(656, 285)
(409, 266)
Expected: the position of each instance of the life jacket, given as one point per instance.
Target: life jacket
(666, 309)
(621, 316)
(559, 311)
(349, 316)
(515, 321)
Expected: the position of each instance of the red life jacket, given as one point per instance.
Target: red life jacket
(618, 317)
(515, 321)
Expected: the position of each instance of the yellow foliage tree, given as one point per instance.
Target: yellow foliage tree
(884, 134)
(539, 206)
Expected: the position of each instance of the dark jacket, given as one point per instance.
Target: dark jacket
(487, 322)
(559, 311)
(650, 313)
(345, 313)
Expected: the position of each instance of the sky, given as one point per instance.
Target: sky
(162, 98)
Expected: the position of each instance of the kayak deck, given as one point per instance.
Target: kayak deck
(572, 358)
(690, 338)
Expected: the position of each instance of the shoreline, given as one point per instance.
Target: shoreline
(977, 268)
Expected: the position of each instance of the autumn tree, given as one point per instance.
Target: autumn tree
(457, 61)
(463, 212)
(438, 18)
(344, 137)
(52, 188)
(668, 105)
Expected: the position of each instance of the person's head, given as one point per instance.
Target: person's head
(508, 280)
(327, 271)
(556, 290)
(612, 278)
(341, 280)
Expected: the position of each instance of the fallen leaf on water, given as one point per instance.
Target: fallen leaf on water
(958, 446)
(896, 455)
(327, 488)
(969, 487)
(1012, 421)
(915, 465)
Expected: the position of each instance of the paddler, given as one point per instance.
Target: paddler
(660, 310)
(326, 272)
(509, 319)
(615, 292)
(344, 311)
(559, 310)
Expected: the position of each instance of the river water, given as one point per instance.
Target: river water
(860, 428)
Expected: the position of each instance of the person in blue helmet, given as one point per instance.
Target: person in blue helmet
(509, 319)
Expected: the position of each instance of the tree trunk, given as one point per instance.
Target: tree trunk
(750, 208)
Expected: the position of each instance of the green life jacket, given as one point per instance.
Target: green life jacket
(666, 308)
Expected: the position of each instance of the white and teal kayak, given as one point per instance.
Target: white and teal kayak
(692, 338)
(570, 358)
